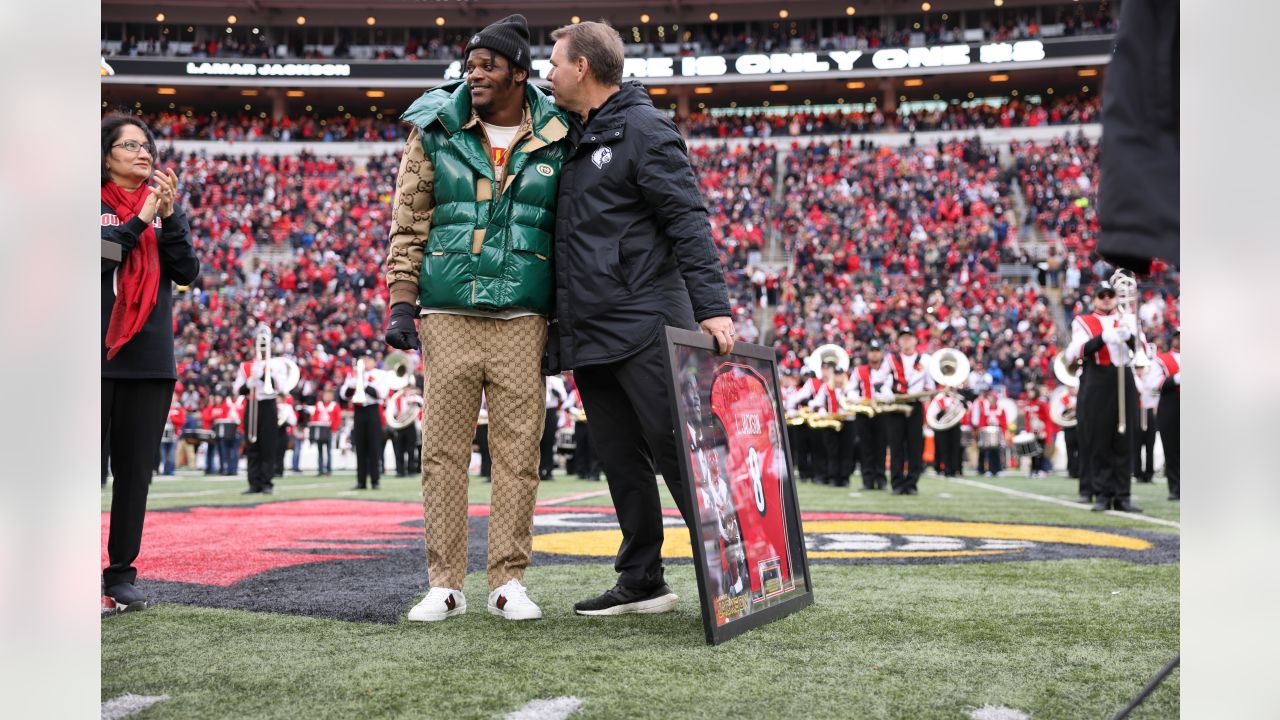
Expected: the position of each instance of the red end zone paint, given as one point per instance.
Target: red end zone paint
(224, 545)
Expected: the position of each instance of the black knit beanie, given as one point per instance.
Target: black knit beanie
(509, 36)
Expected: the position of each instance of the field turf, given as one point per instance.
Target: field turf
(1053, 639)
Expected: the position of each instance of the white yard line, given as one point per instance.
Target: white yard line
(573, 498)
(997, 712)
(557, 708)
(128, 704)
(1060, 501)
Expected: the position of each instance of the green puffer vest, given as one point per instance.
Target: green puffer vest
(494, 253)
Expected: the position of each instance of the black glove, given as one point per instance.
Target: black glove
(1169, 385)
(1093, 345)
(401, 332)
(348, 393)
(368, 390)
(244, 390)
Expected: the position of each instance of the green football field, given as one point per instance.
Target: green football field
(1057, 638)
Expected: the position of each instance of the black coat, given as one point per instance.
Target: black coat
(149, 354)
(1138, 193)
(633, 247)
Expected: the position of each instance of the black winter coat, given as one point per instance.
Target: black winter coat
(1138, 193)
(633, 247)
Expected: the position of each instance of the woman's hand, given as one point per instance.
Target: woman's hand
(149, 206)
(167, 182)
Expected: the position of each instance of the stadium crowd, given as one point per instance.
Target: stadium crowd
(258, 126)
(860, 33)
(1006, 112)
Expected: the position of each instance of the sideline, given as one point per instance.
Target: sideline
(1059, 501)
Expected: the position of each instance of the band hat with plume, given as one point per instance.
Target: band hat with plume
(508, 37)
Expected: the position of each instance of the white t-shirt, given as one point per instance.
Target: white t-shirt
(499, 141)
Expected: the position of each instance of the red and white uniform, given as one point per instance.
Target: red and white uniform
(740, 399)
(254, 374)
(804, 394)
(177, 418)
(1166, 365)
(373, 378)
(915, 372)
(1086, 327)
(285, 412)
(987, 413)
(327, 414)
(825, 399)
(889, 378)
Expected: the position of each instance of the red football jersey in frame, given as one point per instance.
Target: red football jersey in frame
(741, 401)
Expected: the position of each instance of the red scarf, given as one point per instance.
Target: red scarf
(138, 279)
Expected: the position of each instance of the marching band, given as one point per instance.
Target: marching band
(874, 415)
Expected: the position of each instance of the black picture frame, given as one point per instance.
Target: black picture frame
(726, 542)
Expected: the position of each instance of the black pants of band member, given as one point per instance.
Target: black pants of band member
(905, 437)
(1144, 447)
(848, 448)
(482, 447)
(261, 454)
(800, 437)
(367, 442)
(1072, 442)
(133, 416)
(872, 439)
(826, 456)
(946, 451)
(282, 447)
(1106, 453)
(585, 463)
(990, 460)
(1168, 418)
(405, 446)
(547, 461)
(629, 405)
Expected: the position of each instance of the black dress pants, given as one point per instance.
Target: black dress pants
(630, 409)
(133, 417)
(261, 455)
(368, 441)
(1168, 418)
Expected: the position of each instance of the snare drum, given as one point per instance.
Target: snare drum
(195, 436)
(990, 437)
(226, 430)
(319, 434)
(1026, 444)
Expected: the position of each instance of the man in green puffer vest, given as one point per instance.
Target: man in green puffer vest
(470, 255)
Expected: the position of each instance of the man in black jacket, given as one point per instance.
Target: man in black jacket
(633, 253)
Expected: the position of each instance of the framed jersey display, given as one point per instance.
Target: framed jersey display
(748, 545)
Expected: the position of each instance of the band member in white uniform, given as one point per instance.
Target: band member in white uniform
(1165, 374)
(260, 454)
(1104, 341)
(906, 432)
(366, 433)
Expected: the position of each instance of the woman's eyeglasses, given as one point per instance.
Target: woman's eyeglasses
(134, 146)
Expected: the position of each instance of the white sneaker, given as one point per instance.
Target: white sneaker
(512, 602)
(440, 603)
